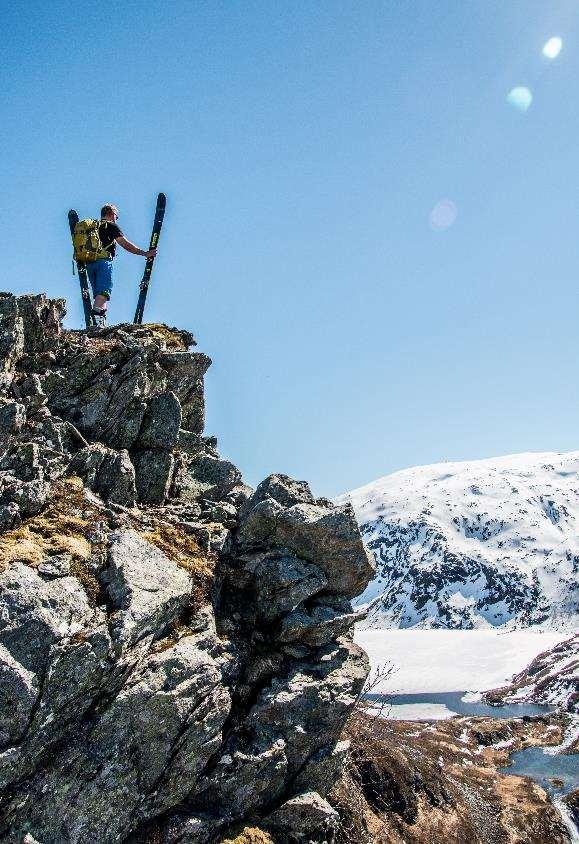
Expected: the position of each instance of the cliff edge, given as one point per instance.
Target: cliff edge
(176, 654)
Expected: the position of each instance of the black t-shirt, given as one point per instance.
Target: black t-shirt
(108, 232)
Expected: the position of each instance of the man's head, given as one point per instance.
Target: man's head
(109, 212)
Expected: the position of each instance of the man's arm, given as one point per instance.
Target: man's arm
(130, 247)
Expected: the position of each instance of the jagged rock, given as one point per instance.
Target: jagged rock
(317, 625)
(283, 489)
(239, 495)
(160, 428)
(108, 472)
(12, 417)
(282, 582)
(222, 511)
(36, 614)
(56, 566)
(189, 442)
(323, 767)
(146, 588)
(182, 372)
(123, 712)
(11, 333)
(18, 693)
(209, 477)
(329, 537)
(293, 718)
(29, 497)
(116, 479)
(153, 475)
(41, 319)
(23, 459)
(303, 817)
(120, 774)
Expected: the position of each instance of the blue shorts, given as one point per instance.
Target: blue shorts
(100, 275)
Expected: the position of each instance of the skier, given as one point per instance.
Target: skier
(100, 272)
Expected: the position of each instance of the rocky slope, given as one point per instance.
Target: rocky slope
(552, 678)
(412, 782)
(176, 652)
(484, 543)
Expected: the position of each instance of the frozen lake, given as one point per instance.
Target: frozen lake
(450, 660)
(433, 706)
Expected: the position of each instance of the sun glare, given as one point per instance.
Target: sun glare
(443, 215)
(520, 97)
(553, 47)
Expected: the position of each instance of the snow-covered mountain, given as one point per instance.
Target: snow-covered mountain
(551, 678)
(474, 544)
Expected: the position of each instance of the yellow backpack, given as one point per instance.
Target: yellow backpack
(86, 241)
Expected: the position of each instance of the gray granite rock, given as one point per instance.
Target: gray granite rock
(18, 693)
(161, 423)
(328, 537)
(209, 477)
(12, 417)
(141, 699)
(303, 818)
(153, 475)
(106, 471)
(282, 582)
(316, 625)
(146, 589)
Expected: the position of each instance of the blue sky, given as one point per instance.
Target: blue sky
(302, 147)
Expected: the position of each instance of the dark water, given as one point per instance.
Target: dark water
(452, 700)
(532, 762)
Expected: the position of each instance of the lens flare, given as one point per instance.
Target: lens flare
(553, 47)
(520, 97)
(443, 215)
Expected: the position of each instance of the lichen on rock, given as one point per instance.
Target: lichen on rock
(176, 658)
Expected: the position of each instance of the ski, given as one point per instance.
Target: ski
(145, 281)
(82, 277)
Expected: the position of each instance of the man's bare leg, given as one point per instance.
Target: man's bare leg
(100, 303)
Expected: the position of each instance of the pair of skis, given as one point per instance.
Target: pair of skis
(90, 318)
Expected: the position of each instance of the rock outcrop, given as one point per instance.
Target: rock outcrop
(176, 654)
(552, 679)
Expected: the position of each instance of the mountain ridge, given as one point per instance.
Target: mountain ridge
(470, 544)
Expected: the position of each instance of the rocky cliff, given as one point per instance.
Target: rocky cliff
(176, 654)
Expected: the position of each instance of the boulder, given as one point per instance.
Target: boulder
(147, 590)
(316, 625)
(283, 489)
(209, 477)
(161, 423)
(304, 817)
(153, 475)
(12, 417)
(328, 537)
(106, 471)
(182, 373)
(282, 582)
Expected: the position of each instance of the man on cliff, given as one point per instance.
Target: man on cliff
(100, 272)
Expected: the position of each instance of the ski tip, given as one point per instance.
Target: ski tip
(161, 199)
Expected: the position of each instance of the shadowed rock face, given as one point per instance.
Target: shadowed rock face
(175, 649)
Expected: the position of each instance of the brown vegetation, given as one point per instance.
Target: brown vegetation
(416, 782)
(63, 527)
(183, 549)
